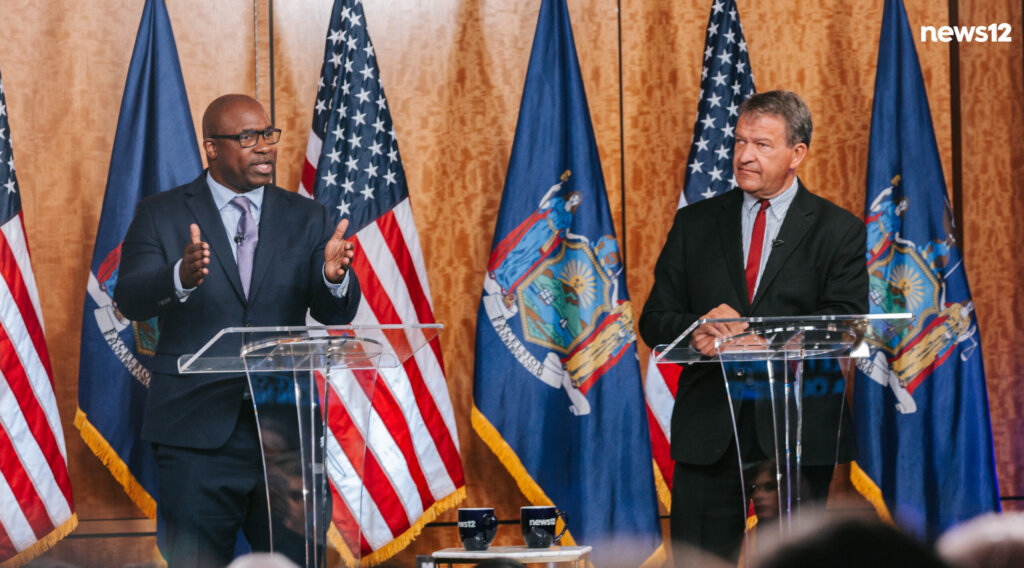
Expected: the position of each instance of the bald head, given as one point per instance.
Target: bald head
(240, 169)
(223, 106)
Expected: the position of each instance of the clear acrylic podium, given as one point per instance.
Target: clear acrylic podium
(312, 390)
(765, 364)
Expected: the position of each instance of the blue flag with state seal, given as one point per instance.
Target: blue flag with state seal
(154, 150)
(557, 391)
(920, 405)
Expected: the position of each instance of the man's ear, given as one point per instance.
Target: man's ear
(799, 153)
(210, 147)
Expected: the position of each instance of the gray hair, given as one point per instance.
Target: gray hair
(789, 107)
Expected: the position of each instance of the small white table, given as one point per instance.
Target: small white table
(577, 555)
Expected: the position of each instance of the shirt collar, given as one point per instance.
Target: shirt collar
(222, 195)
(779, 204)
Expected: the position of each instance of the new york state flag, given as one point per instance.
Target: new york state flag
(557, 390)
(920, 405)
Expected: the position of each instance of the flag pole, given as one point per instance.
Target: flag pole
(270, 34)
(270, 47)
(622, 140)
(955, 126)
(256, 49)
(270, 59)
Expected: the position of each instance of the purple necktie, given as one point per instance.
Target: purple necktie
(246, 238)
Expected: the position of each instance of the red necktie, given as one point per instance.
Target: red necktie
(756, 244)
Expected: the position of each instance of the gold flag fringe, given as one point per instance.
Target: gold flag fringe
(867, 487)
(42, 545)
(403, 540)
(99, 446)
(664, 493)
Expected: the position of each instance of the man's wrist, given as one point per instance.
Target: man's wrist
(179, 288)
(341, 288)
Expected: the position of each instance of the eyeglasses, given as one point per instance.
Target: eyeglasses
(248, 138)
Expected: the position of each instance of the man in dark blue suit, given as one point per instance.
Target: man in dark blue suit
(228, 249)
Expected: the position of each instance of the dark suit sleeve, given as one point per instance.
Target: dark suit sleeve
(668, 312)
(845, 286)
(323, 305)
(145, 282)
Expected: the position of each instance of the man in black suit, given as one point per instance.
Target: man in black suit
(228, 249)
(772, 249)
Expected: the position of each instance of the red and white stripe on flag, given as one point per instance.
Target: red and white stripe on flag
(412, 470)
(36, 505)
(660, 396)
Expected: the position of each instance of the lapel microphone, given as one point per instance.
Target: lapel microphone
(775, 243)
(239, 238)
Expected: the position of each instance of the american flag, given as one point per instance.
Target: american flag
(35, 491)
(413, 470)
(725, 82)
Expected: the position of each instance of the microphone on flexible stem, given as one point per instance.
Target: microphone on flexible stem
(239, 237)
(777, 243)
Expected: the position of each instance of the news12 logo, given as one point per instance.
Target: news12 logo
(995, 33)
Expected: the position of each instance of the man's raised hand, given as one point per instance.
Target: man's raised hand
(338, 254)
(194, 260)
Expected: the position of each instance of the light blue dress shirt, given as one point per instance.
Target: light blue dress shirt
(229, 216)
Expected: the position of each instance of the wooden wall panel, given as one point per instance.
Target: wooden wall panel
(993, 202)
(663, 44)
(453, 71)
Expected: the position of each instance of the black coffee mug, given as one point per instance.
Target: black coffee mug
(539, 525)
(477, 528)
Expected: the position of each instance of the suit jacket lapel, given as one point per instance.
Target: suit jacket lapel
(794, 227)
(732, 242)
(200, 202)
(272, 219)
